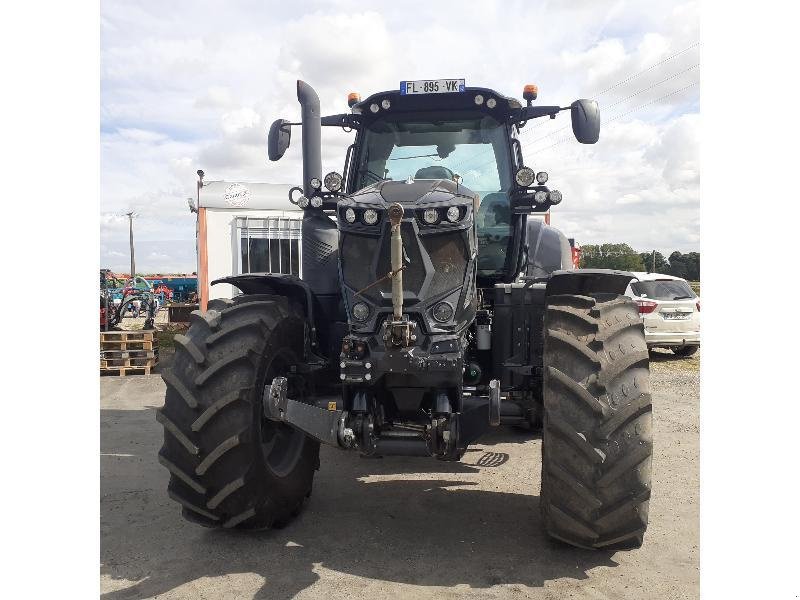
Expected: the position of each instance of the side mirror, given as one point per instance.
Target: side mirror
(280, 134)
(585, 121)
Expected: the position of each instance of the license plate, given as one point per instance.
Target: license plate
(432, 86)
(675, 316)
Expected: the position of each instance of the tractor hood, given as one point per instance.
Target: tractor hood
(438, 251)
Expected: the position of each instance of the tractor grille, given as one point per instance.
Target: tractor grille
(414, 273)
(357, 254)
(448, 252)
(366, 259)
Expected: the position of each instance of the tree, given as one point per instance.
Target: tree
(611, 256)
(661, 265)
(685, 265)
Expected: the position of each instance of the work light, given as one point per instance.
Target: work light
(524, 176)
(453, 214)
(316, 201)
(350, 215)
(302, 202)
(370, 216)
(333, 181)
(430, 216)
(360, 311)
(374, 107)
(541, 178)
(554, 197)
(316, 183)
(540, 197)
(386, 104)
(443, 312)
(491, 103)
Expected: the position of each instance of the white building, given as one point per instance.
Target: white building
(244, 228)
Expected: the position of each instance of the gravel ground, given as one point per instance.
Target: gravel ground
(396, 527)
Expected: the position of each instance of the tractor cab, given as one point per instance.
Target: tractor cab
(443, 130)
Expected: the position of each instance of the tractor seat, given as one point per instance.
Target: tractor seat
(434, 173)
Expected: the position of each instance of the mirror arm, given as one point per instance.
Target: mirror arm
(534, 112)
(344, 120)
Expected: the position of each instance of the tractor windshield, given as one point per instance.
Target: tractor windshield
(428, 147)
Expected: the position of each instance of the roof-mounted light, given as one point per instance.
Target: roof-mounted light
(530, 92)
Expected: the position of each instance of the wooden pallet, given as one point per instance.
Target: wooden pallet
(123, 371)
(128, 352)
(128, 345)
(117, 354)
(115, 363)
(125, 336)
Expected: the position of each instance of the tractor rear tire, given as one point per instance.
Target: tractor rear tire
(597, 437)
(230, 467)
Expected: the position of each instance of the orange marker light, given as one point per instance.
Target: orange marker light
(353, 98)
(530, 92)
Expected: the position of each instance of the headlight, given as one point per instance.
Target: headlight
(316, 201)
(540, 197)
(360, 311)
(302, 202)
(554, 197)
(316, 183)
(443, 312)
(350, 215)
(541, 178)
(370, 216)
(333, 181)
(453, 214)
(525, 176)
(430, 216)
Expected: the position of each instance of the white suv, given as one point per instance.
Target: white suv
(670, 311)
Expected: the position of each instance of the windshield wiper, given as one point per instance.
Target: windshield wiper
(682, 297)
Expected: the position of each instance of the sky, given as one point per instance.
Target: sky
(195, 85)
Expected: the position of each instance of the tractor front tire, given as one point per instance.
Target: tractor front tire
(229, 467)
(597, 436)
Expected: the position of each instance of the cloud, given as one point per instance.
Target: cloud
(189, 86)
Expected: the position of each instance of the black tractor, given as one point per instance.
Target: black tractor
(433, 304)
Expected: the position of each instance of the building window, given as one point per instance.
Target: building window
(269, 245)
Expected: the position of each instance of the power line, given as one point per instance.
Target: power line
(648, 88)
(673, 76)
(619, 116)
(642, 72)
(626, 80)
(597, 95)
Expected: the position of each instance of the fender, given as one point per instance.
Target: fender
(545, 250)
(289, 286)
(588, 281)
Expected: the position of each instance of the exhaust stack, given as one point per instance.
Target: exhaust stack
(312, 135)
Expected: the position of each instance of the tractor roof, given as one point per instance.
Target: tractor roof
(453, 101)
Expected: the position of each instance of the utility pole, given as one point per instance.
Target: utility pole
(130, 228)
(654, 262)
